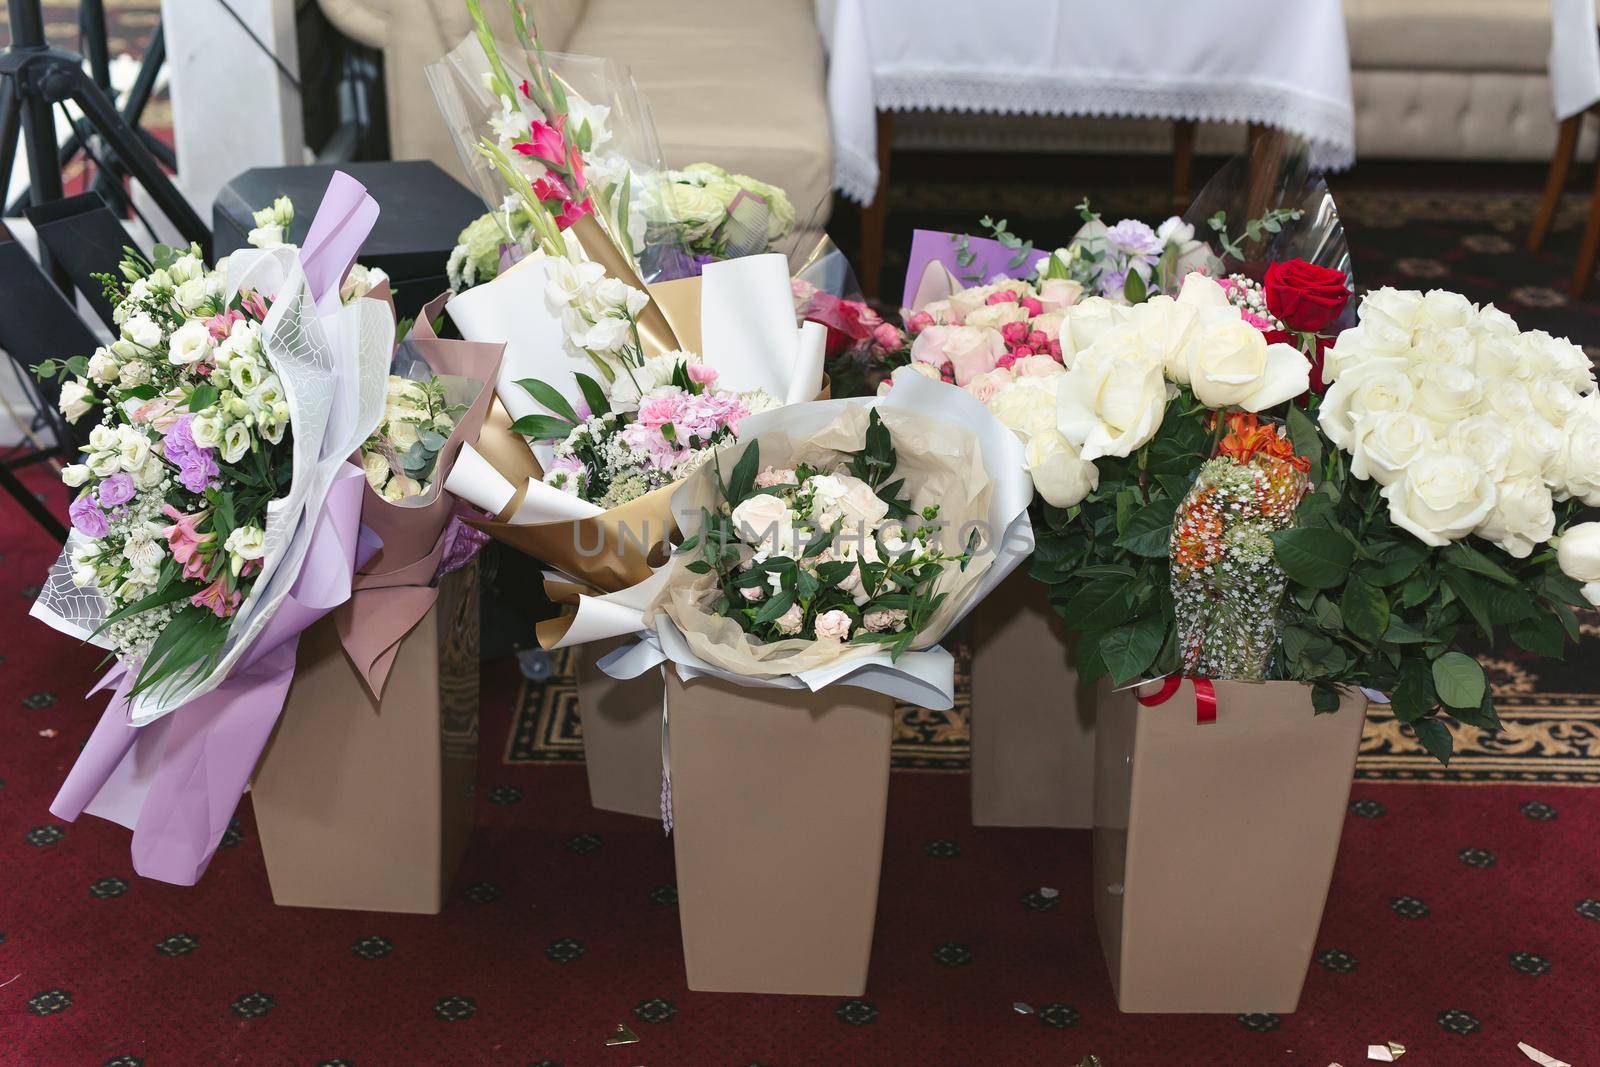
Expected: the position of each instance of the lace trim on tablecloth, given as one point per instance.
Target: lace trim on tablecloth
(1327, 125)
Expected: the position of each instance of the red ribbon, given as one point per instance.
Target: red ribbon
(1205, 697)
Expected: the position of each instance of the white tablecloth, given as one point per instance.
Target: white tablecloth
(1282, 63)
(1574, 56)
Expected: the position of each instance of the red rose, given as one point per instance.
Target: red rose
(1303, 296)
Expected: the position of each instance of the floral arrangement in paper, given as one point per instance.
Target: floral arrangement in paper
(400, 456)
(823, 553)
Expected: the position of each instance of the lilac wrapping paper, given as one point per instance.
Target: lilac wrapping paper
(177, 781)
(991, 260)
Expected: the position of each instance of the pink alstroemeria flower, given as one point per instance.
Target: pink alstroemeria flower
(217, 598)
(183, 536)
(219, 326)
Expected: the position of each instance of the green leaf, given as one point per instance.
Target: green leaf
(1395, 562)
(542, 427)
(202, 397)
(1414, 697)
(743, 480)
(775, 606)
(1543, 635)
(1459, 680)
(1324, 699)
(593, 395)
(1483, 716)
(1103, 602)
(550, 398)
(1313, 556)
(1435, 737)
(1128, 650)
(430, 440)
(1468, 558)
(1365, 609)
(1149, 530)
(1307, 441)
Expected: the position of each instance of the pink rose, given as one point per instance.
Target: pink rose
(968, 350)
(790, 621)
(1022, 351)
(833, 625)
(984, 386)
(887, 336)
(1014, 333)
(1058, 294)
(1031, 306)
(1004, 296)
(1048, 324)
(919, 322)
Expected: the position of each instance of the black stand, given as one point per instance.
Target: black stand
(35, 77)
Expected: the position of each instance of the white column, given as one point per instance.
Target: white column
(232, 108)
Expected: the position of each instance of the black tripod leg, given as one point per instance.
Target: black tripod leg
(31, 504)
(10, 130)
(125, 144)
(92, 27)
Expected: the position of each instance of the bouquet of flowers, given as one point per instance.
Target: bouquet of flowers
(215, 493)
(400, 456)
(804, 553)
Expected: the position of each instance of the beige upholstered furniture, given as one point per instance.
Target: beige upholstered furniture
(740, 85)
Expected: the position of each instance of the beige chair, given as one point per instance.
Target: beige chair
(740, 85)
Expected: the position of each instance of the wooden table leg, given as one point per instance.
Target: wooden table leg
(875, 214)
(1266, 167)
(1182, 163)
(1566, 147)
(1583, 273)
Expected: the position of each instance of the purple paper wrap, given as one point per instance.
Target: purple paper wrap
(176, 781)
(990, 260)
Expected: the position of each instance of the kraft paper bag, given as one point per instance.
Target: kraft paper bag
(1214, 843)
(621, 722)
(778, 800)
(1032, 722)
(368, 805)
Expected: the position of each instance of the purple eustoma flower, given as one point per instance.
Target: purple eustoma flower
(115, 491)
(196, 467)
(87, 518)
(1135, 238)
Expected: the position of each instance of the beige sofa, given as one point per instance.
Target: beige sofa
(740, 85)
(1432, 79)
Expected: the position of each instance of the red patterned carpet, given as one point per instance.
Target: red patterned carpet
(1462, 920)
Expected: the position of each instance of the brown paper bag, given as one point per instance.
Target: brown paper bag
(778, 801)
(1032, 723)
(621, 733)
(368, 805)
(1214, 844)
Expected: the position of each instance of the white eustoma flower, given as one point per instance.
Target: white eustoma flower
(190, 343)
(76, 400)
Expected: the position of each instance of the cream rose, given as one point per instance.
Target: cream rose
(1165, 324)
(1444, 310)
(1523, 516)
(970, 351)
(1086, 321)
(1444, 393)
(1386, 442)
(1113, 399)
(1483, 438)
(1440, 498)
(1231, 364)
(1536, 449)
(1058, 294)
(860, 506)
(761, 519)
(1059, 474)
(1581, 460)
(994, 316)
(1027, 406)
(833, 625)
(1389, 317)
(76, 400)
(1578, 556)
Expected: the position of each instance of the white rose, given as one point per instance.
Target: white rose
(403, 434)
(1578, 555)
(1581, 462)
(1483, 438)
(400, 487)
(1554, 399)
(104, 464)
(206, 430)
(1445, 393)
(141, 331)
(1523, 516)
(761, 519)
(192, 293)
(790, 621)
(1058, 294)
(967, 301)
(1536, 449)
(1086, 321)
(1457, 347)
(1443, 310)
(190, 343)
(1037, 367)
(1440, 498)
(1388, 319)
(74, 475)
(1027, 406)
(1165, 324)
(235, 442)
(1059, 473)
(135, 449)
(1114, 397)
(1497, 356)
(1556, 357)
(1508, 397)
(1492, 322)
(1231, 365)
(151, 474)
(994, 316)
(103, 366)
(76, 400)
(1386, 442)
(861, 508)
(376, 467)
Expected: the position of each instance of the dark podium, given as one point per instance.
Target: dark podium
(421, 210)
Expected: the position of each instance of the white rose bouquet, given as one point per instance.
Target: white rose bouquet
(400, 456)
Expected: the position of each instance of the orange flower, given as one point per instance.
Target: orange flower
(1249, 437)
